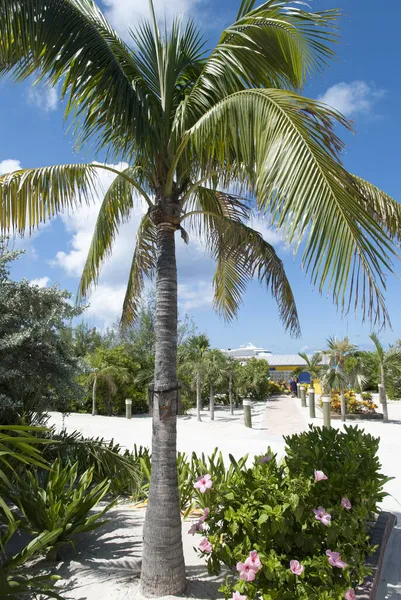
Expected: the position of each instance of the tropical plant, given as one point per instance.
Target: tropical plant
(102, 372)
(268, 520)
(313, 365)
(215, 365)
(201, 134)
(254, 379)
(106, 458)
(334, 375)
(20, 446)
(59, 500)
(389, 363)
(194, 353)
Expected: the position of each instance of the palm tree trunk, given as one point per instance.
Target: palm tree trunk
(343, 405)
(198, 395)
(163, 567)
(94, 396)
(384, 396)
(211, 401)
(230, 392)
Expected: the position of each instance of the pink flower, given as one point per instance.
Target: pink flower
(198, 526)
(322, 515)
(205, 546)
(265, 459)
(237, 596)
(296, 567)
(335, 560)
(204, 483)
(320, 476)
(246, 572)
(205, 515)
(345, 503)
(350, 594)
(253, 561)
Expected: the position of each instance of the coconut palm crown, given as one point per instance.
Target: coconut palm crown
(208, 138)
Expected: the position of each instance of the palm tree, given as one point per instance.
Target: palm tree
(215, 365)
(194, 353)
(337, 352)
(106, 376)
(313, 365)
(202, 134)
(389, 362)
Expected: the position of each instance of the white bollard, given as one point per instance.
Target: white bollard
(128, 408)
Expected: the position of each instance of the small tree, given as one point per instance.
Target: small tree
(215, 364)
(255, 377)
(337, 352)
(194, 351)
(389, 363)
(313, 366)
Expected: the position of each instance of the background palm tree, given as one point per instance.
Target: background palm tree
(203, 135)
(337, 352)
(107, 375)
(313, 366)
(388, 362)
(194, 353)
(215, 365)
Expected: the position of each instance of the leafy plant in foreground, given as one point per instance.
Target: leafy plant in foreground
(297, 529)
(59, 500)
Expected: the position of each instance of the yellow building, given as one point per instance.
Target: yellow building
(283, 365)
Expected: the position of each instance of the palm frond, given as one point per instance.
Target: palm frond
(299, 180)
(143, 265)
(115, 210)
(274, 45)
(242, 255)
(384, 209)
(70, 41)
(29, 197)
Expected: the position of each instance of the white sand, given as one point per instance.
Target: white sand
(107, 563)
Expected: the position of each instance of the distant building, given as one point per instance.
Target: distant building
(281, 365)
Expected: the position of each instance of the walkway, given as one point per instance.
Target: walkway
(283, 417)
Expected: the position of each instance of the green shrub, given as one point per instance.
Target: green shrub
(105, 458)
(59, 500)
(367, 396)
(350, 457)
(270, 507)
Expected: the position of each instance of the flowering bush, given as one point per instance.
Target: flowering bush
(297, 529)
(354, 406)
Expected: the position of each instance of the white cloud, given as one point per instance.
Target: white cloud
(304, 348)
(357, 97)
(270, 235)
(9, 165)
(41, 282)
(198, 294)
(126, 14)
(44, 98)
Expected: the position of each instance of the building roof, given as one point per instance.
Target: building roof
(285, 360)
(289, 360)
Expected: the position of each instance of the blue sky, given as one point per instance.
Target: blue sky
(363, 82)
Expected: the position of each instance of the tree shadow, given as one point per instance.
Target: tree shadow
(111, 552)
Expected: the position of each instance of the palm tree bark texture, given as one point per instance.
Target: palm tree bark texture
(163, 567)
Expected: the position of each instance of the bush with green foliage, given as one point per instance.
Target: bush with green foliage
(254, 379)
(37, 367)
(58, 499)
(320, 499)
